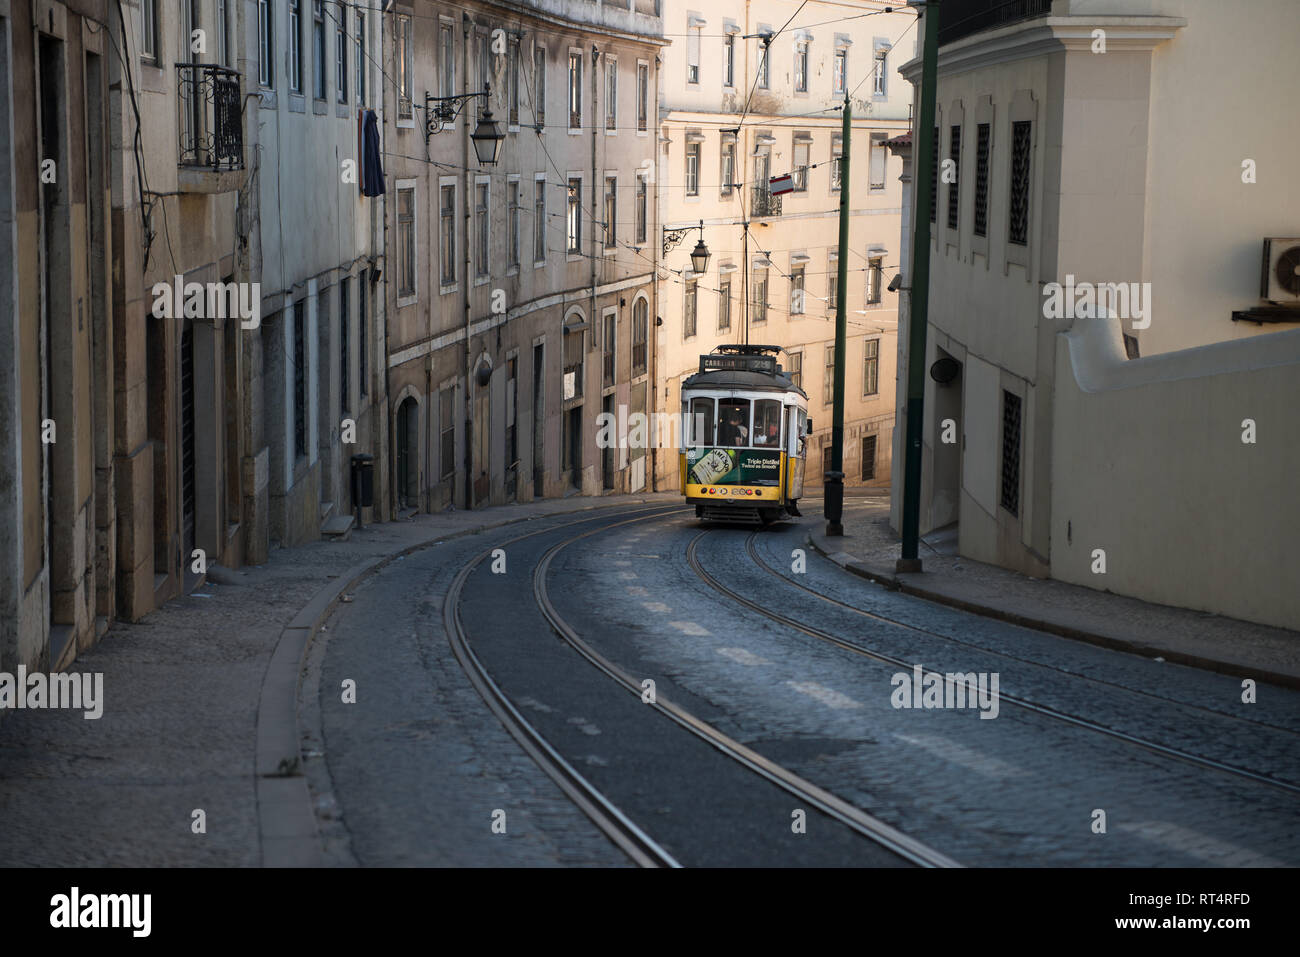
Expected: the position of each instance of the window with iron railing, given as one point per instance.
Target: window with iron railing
(981, 226)
(1018, 231)
(211, 119)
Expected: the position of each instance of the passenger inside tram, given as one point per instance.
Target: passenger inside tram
(732, 418)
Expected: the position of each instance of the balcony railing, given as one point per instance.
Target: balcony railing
(763, 203)
(961, 18)
(211, 121)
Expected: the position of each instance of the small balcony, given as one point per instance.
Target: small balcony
(763, 203)
(961, 18)
(211, 128)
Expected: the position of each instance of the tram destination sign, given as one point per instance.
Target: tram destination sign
(734, 466)
(740, 363)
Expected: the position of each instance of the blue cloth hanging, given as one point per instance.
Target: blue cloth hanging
(372, 179)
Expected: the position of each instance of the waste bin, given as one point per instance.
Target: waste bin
(363, 483)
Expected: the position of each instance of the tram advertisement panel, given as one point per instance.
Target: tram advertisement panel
(733, 466)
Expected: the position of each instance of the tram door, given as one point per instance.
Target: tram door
(796, 426)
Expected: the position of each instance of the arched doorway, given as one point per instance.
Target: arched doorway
(406, 473)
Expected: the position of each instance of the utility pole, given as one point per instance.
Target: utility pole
(834, 479)
(926, 148)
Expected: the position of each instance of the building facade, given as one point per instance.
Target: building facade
(519, 295)
(1100, 296)
(741, 104)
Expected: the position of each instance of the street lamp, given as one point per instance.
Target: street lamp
(699, 255)
(487, 136)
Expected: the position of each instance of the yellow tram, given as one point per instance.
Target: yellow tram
(745, 428)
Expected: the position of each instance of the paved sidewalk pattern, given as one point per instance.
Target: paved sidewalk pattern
(869, 547)
(180, 729)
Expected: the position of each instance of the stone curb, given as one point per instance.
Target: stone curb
(286, 822)
(893, 582)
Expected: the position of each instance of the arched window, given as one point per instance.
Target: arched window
(640, 331)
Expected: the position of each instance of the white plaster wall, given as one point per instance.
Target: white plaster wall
(982, 429)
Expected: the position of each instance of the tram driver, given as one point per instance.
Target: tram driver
(733, 432)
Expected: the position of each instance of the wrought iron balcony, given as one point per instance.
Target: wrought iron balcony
(763, 203)
(961, 18)
(211, 117)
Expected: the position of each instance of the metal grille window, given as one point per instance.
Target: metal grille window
(512, 82)
(345, 349)
(837, 162)
(934, 179)
(611, 212)
(688, 316)
(796, 368)
(481, 229)
(295, 45)
(1011, 452)
(727, 174)
(640, 332)
(539, 85)
(758, 296)
(868, 457)
(447, 232)
(801, 166)
(361, 57)
(341, 61)
(875, 268)
(797, 272)
(318, 46)
(575, 90)
(512, 221)
(446, 52)
(832, 280)
(265, 40)
(573, 218)
(405, 81)
(642, 96)
(729, 60)
(840, 70)
(801, 67)
(406, 242)
(1018, 231)
(539, 220)
(692, 169)
(871, 367)
(828, 379)
(642, 208)
(878, 160)
(981, 226)
(299, 379)
(447, 431)
(724, 304)
(611, 93)
(954, 195)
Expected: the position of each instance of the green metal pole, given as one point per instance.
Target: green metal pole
(834, 479)
(926, 148)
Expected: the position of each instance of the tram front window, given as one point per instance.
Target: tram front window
(699, 424)
(767, 423)
(733, 422)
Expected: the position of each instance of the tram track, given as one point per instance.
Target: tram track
(693, 561)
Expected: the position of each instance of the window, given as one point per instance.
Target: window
(733, 422)
(797, 271)
(223, 34)
(699, 424)
(575, 90)
(767, 423)
(934, 179)
(868, 458)
(642, 208)
(692, 169)
(611, 322)
(693, 55)
(724, 304)
(512, 221)
(265, 40)
(874, 267)
(363, 331)
(361, 57)
(341, 60)
(840, 70)
(981, 226)
(796, 369)
(729, 60)
(837, 165)
(871, 367)
(611, 212)
(611, 93)
(640, 333)
(447, 54)
(727, 174)
(318, 46)
(484, 70)
(801, 67)
(878, 160)
(801, 166)
(539, 220)
(447, 232)
(300, 377)
(345, 351)
(828, 378)
(1018, 231)
(149, 27)
(405, 242)
(573, 362)
(954, 196)
(447, 431)
(764, 62)
(295, 46)
(573, 218)
(539, 85)
(512, 82)
(1010, 497)
(642, 96)
(878, 75)
(688, 316)
(404, 78)
(832, 279)
(481, 229)
(758, 294)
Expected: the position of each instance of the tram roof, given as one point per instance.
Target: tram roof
(741, 379)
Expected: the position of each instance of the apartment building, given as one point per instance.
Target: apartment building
(519, 292)
(318, 360)
(751, 90)
(1117, 342)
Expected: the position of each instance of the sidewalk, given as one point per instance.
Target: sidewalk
(869, 548)
(200, 713)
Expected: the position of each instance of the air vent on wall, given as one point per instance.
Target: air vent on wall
(1280, 281)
